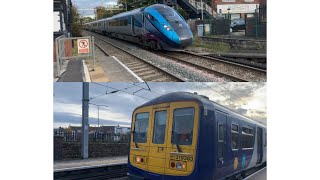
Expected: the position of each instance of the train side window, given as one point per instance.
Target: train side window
(234, 136)
(247, 138)
(182, 130)
(159, 129)
(140, 131)
(220, 140)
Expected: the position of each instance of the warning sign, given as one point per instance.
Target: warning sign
(83, 46)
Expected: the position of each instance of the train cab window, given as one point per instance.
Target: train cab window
(141, 128)
(159, 129)
(234, 136)
(182, 130)
(149, 16)
(247, 138)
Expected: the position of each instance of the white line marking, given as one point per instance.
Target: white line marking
(132, 73)
(85, 167)
(254, 173)
(86, 72)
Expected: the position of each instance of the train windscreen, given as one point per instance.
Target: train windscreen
(183, 120)
(141, 128)
(159, 129)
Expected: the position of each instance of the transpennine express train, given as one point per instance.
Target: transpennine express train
(182, 135)
(157, 26)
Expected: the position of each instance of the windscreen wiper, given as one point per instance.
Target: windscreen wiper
(135, 143)
(178, 147)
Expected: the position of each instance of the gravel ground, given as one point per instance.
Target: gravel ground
(184, 71)
(224, 68)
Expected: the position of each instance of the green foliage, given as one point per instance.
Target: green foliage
(87, 19)
(77, 22)
(134, 4)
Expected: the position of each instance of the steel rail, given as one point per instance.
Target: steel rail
(171, 75)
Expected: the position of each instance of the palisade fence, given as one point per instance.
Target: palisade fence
(256, 26)
(96, 137)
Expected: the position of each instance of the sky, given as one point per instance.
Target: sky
(90, 4)
(248, 99)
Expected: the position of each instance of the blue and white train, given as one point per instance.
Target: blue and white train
(186, 136)
(157, 26)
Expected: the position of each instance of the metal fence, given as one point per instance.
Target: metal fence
(95, 137)
(72, 48)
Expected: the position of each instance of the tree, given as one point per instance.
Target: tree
(134, 4)
(87, 19)
(76, 24)
(100, 11)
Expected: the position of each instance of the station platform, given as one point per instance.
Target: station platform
(259, 175)
(110, 69)
(88, 163)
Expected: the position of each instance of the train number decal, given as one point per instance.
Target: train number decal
(180, 157)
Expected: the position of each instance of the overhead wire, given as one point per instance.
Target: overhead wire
(121, 90)
(232, 93)
(218, 92)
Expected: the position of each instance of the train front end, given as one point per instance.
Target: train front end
(164, 141)
(175, 32)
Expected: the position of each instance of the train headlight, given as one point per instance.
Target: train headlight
(167, 27)
(179, 165)
(183, 165)
(138, 159)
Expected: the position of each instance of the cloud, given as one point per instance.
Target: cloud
(248, 99)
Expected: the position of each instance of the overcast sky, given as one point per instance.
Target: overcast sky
(90, 4)
(248, 99)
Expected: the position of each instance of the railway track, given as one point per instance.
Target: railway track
(204, 68)
(255, 61)
(141, 67)
(94, 173)
(232, 70)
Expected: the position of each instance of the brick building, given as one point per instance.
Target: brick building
(237, 8)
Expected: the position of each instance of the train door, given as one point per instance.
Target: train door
(159, 132)
(182, 138)
(140, 137)
(143, 24)
(260, 144)
(234, 143)
(132, 25)
(221, 119)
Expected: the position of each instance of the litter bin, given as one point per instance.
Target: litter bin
(200, 29)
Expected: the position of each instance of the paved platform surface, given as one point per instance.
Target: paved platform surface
(260, 175)
(86, 163)
(113, 69)
(74, 72)
(116, 72)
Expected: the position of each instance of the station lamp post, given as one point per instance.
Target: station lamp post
(229, 20)
(201, 10)
(99, 110)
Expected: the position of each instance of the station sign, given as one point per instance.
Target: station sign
(83, 46)
(237, 8)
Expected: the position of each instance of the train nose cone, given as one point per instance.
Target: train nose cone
(185, 36)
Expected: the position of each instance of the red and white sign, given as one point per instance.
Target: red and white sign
(83, 46)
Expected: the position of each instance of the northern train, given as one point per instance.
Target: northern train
(183, 135)
(157, 26)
